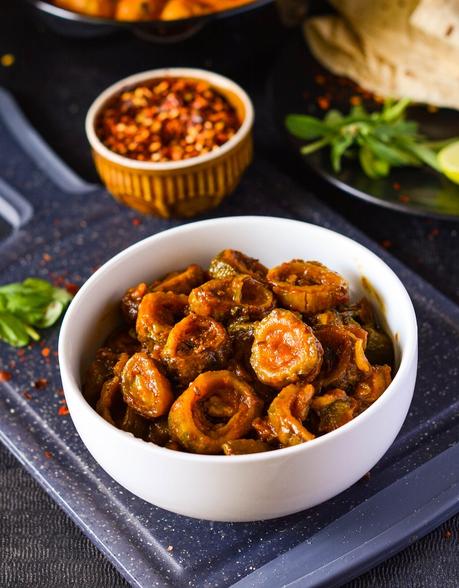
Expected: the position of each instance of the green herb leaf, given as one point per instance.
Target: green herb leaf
(307, 149)
(305, 127)
(13, 330)
(373, 167)
(423, 153)
(338, 148)
(390, 153)
(32, 303)
(393, 111)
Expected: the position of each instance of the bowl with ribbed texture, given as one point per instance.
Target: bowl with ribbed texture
(181, 188)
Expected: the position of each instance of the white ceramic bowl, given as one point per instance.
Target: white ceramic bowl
(247, 487)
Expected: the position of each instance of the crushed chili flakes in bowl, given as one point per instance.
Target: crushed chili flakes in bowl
(167, 119)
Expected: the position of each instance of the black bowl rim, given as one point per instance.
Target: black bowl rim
(64, 14)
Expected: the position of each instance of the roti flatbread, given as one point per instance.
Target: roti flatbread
(439, 19)
(342, 50)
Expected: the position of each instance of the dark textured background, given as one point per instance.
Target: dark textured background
(54, 80)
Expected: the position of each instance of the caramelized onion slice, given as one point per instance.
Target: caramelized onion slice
(344, 355)
(158, 313)
(182, 281)
(145, 389)
(371, 388)
(100, 370)
(244, 446)
(285, 350)
(194, 345)
(308, 286)
(192, 426)
(230, 262)
(334, 408)
(131, 300)
(237, 297)
(286, 417)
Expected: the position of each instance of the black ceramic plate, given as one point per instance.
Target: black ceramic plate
(73, 24)
(300, 85)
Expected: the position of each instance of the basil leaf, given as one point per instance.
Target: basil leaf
(34, 302)
(305, 127)
(307, 149)
(61, 295)
(392, 112)
(13, 330)
(373, 167)
(423, 153)
(52, 312)
(390, 153)
(338, 148)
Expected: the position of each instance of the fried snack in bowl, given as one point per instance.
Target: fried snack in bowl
(268, 451)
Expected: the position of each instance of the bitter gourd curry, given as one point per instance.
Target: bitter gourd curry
(240, 359)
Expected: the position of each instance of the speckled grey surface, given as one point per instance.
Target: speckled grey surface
(68, 237)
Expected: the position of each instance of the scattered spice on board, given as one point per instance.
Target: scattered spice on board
(136, 222)
(71, 288)
(63, 410)
(323, 102)
(27, 395)
(386, 243)
(396, 186)
(5, 376)
(404, 198)
(433, 233)
(47, 454)
(167, 119)
(447, 534)
(45, 351)
(40, 383)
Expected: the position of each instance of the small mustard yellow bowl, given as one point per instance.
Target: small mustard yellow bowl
(175, 188)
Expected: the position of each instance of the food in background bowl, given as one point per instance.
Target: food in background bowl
(242, 487)
(240, 359)
(167, 119)
(137, 10)
(171, 142)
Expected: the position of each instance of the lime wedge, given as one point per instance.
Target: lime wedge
(448, 161)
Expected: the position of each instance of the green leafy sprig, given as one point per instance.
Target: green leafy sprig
(381, 140)
(29, 304)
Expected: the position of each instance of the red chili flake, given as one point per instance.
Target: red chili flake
(433, 233)
(386, 243)
(447, 534)
(355, 100)
(21, 352)
(47, 454)
(27, 395)
(167, 119)
(319, 79)
(60, 392)
(404, 198)
(46, 257)
(45, 351)
(40, 383)
(5, 376)
(136, 222)
(323, 102)
(63, 410)
(396, 186)
(71, 288)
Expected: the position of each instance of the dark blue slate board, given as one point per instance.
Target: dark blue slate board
(59, 226)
